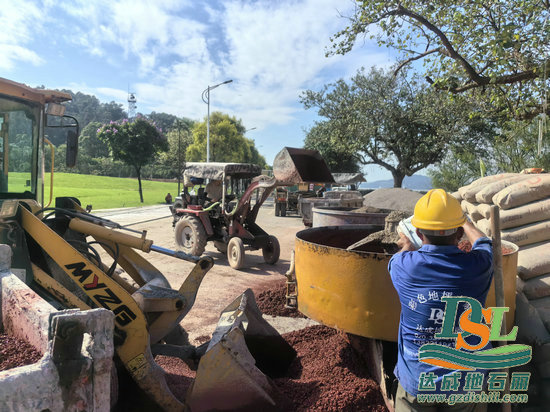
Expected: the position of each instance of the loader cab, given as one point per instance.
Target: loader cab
(24, 114)
(19, 148)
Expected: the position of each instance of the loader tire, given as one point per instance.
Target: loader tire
(283, 209)
(190, 236)
(271, 251)
(235, 253)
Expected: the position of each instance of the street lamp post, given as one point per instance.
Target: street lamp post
(179, 156)
(179, 124)
(206, 99)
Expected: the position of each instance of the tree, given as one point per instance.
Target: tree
(85, 108)
(135, 143)
(337, 157)
(227, 142)
(179, 139)
(167, 122)
(513, 147)
(389, 121)
(497, 48)
(89, 143)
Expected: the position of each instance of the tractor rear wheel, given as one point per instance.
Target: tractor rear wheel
(283, 209)
(235, 253)
(271, 251)
(190, 235)
(277, 207)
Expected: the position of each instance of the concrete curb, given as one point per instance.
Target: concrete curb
(76, 370)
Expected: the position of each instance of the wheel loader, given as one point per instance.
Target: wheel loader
(73, 259)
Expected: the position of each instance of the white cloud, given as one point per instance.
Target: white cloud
(148, 30)
(19, 20)
(271, 50)
(12, 54)
(109, 92)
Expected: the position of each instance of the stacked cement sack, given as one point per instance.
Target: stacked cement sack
(524, 201)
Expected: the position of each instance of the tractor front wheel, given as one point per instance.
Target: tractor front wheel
(235, 253)
(191, 236)
(271, 251)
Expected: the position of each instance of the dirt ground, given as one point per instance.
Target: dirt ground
(222, 284)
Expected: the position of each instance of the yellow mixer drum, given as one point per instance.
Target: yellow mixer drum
(352, 290)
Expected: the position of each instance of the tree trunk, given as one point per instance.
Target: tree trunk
(138, 172)
(397, 178)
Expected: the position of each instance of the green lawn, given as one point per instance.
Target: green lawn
(107, 192)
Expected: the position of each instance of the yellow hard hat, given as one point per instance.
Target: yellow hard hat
(437, 210)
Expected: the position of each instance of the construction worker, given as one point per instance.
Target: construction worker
(421, 277)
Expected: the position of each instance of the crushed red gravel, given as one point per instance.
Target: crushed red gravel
(203, 339)
(178, 375)
(272, 302)
(16, 352)
(327, 375)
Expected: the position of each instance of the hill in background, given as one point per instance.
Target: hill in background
(415, 182)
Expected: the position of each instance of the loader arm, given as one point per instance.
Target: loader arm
(243, 212)
(131, 335)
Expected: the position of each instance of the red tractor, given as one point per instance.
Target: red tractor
(227, 215)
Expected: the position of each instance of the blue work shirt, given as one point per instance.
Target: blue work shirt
(421, 278)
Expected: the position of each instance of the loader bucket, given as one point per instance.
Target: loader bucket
(245, 351)
(292, 166)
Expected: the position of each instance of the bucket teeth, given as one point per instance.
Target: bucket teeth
(243, 350)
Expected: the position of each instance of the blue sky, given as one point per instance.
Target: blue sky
(168, 51)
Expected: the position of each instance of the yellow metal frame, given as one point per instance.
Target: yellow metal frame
(61, 293)
(52, 149)
(135, 353)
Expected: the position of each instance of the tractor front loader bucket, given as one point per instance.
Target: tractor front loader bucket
(244, 353)
(292, 166)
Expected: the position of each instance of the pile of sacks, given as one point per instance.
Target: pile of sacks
(524, 201)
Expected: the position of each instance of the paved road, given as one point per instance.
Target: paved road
(222, 284)
(133, 215)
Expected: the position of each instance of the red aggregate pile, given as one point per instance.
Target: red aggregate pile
(327, 375)
(272, 302)
(178, 375)
(16, 352)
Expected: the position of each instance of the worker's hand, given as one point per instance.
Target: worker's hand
(404, 243)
